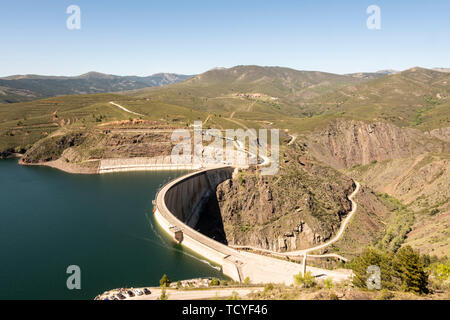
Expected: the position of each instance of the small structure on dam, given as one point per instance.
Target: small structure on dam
(178, 233)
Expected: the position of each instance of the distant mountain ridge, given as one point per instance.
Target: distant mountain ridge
(19, 88)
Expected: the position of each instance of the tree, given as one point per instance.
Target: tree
(410, 269)
(403, 270)
(165, 281)
(164, 295)
(373, 257)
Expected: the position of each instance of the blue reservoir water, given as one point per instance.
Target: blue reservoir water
(104, 224)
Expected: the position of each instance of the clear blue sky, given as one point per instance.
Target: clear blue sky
(142, 37)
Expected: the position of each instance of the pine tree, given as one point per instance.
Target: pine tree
(410, 269)
(373, 257)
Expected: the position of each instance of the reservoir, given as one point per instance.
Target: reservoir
(104, 224)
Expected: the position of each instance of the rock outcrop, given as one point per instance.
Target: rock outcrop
(300, 207)
(345, 143)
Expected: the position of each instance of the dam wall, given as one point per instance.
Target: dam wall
(185, 199)
(178, 207)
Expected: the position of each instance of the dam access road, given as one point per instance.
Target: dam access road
(321, 246)
(178, 208)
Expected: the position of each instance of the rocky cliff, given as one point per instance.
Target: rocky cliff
(301, 206)
(345, 143)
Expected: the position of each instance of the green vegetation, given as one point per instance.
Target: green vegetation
(328, 283)
(164, 281)
(399, 227)
(403, 270)
(214, 282)
(307, 281)
(440, 273)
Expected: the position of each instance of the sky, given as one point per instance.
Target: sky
(143, 37)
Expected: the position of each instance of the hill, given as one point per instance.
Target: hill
(31, 87)
(413, 98)
(271, 90)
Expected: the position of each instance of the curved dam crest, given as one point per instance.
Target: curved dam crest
(179, 207)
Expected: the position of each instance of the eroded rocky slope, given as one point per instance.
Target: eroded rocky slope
(301, 206)
(345, 143)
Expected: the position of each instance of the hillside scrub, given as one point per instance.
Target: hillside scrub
(51, 148)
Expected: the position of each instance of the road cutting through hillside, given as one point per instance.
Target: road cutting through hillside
(323, 245)
(125, 109)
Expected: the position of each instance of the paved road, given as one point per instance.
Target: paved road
(323, 245)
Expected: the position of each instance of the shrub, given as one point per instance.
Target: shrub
(268, 287)
(385, 295)
(165, 281)
(328, 282)
(214, 282)
(308, 281)
(333, 296)
(442, 271)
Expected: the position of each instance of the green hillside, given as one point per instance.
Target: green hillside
(22, 124)
(414, 98)
(272, 90)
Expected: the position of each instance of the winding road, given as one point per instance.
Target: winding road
(323, 245)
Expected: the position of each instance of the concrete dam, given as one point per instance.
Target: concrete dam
(186, 208)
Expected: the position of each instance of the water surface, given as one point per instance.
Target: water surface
(50, 220)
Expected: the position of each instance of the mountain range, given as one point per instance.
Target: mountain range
(31, 87)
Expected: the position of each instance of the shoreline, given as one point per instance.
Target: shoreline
(235, 264)
(97, 168)
(63, 166)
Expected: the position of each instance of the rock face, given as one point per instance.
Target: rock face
(76, 147)
(301, 206)
(441, 133)
(346, 143)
